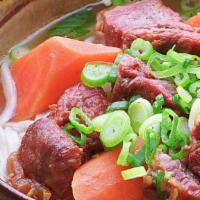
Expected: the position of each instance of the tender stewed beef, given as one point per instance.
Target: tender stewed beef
(150, 20)
(183, 184)
(49, 156)
(194, 158)
(91, 100)
(17, 179)
(134, 79)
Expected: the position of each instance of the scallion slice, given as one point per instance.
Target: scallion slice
(158, 104)
(134, 173)
(118, 105)
(182, 79)
(95, 74)
(141, 49)
(128, 144)
(138, 112)
(99, 121)
(173, 71)
(75, 121)
(81, 141)
(184, 94)
(152, 122)
(194, 89)
(114, 69)
(115, 129)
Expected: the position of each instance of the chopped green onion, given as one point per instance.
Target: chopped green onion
(169, 127)
(99, 121)
(182, 79)
(183, 129)
(159, 61)
(151, 145)
(173, 71)
(194, 89)
(95, 74)
(115, 129)
(184, 94)
(128, 144)
(176, 57)
(119, 105)
(138, 158)
(133, 98)
(158, 104)
(193, 70)
(138, 112)
(114, 69)
(141, 49)
(17, 52)
(134, 173)
(75, 121)
(163, 147)
(159, 178)
(177, 155)
(152, 122)
(81, 141)
(185, 107)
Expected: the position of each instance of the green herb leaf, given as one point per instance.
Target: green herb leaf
(75, 26)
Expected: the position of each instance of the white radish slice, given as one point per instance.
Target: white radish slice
(10, 92)
(12, 138)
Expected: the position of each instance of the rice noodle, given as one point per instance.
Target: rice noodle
(10, 92)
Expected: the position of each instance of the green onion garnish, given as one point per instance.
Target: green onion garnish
(119, 105)
(134, 173)
(194, 89)
(182, 79)
(141, 49)
(99, 121)
(158, 104)
(95, 74)
(184, 94)
(75, 121)
(114, 69)
(139, 111)
(81, 141)
(159, 178)
(115, 129)
(152, 122)
(128, 144)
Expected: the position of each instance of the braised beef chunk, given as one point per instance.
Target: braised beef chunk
(182, 184)
(17, 180)
(49, 156)
(134, 79)
(91, 100)
(93, 103)
(150, 20)
(194, 158)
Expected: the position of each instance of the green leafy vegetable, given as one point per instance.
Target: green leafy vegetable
(74, 26)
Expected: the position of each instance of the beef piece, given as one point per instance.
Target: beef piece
(17, 180)
(150, 20)
(93, 103)
(194, 158)
(91, 100)
(49, 156)
(134, 79)
(183, 184)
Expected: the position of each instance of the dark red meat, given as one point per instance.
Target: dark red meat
(49, 156)
(183, 185)
(91, 100)
(93, 103)
(150, 20)
(134, 79)
(17, 180)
